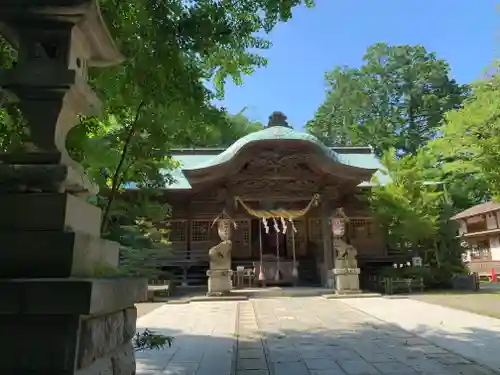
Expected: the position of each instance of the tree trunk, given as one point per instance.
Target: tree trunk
(116, 181)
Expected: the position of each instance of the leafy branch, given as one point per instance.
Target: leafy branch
(150, 340)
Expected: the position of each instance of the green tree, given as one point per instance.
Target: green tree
(172, 49)
(415, 211)
(157, 99)
(396, 99)
(230, 129)
(409, 206)
(468, 149)
(136, 224)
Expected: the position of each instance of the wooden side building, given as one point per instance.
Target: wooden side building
(277, 167)
(479, 227)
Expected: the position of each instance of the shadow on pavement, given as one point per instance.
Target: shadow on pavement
(364, 348)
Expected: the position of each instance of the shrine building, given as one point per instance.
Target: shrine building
(281, 170)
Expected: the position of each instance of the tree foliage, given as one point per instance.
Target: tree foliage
(158, 98)
(468, 150)
(396, 99)
(408, 207)
(415, 210)
(235, 127)
(403, 103)
(134, 223)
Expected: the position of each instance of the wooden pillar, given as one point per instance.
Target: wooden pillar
(188, 230)
(230, 210)
(326, 229)
(185, 276)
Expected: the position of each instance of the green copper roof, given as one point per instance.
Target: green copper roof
(361, 160)
(191, 159)
(272, 133)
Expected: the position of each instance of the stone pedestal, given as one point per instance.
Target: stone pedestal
(62, 310)
(346, 280)
(219, 282)
(330, 282)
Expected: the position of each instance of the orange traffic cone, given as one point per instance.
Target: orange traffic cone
(493, 276)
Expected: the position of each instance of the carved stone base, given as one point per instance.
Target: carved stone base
(219, 282)
(346, 280)
(72, 326)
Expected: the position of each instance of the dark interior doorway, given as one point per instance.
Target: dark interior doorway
(269, 240)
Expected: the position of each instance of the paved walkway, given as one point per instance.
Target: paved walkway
(295, 336)
(468, 334)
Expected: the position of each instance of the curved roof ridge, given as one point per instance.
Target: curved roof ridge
(270, 133)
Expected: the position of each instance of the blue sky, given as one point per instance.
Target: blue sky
(337, 32)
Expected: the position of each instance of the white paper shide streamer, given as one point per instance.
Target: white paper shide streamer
(283, 225)
(266, 226)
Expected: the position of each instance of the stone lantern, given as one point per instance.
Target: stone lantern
(61, 306)
(57, 41)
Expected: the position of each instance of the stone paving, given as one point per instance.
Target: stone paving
(290, 336)
(465, 333)
(204, 339)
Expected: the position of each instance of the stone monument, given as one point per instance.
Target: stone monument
(62, 311)
(346, 269)
(220, 273)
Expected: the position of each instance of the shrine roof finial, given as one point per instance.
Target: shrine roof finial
(277, 118)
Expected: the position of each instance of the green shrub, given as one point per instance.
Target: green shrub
(433, 277)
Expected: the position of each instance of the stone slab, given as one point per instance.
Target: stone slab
(49, 212)
(218, 298)
(27, 157)
(273, 292)
(251, 364)
(45, 177)
(250, 353)
(456, 331)
(34, 254)
(351, 295)
(70, 296)
(100, 335)
(35, 344)
(119, 362)
(290, 368)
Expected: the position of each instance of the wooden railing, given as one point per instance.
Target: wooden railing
(396, 285)
(393, 285)
(184, 256)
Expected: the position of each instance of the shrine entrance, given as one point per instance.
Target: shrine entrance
(274, 242)
(285, 186)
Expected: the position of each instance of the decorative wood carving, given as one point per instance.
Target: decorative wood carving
(274, 189)
(276, 164)
(279, 174)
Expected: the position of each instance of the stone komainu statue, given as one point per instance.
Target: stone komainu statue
(220, 255)
(346, 253)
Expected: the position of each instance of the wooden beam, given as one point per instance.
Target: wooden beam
(327, 241)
